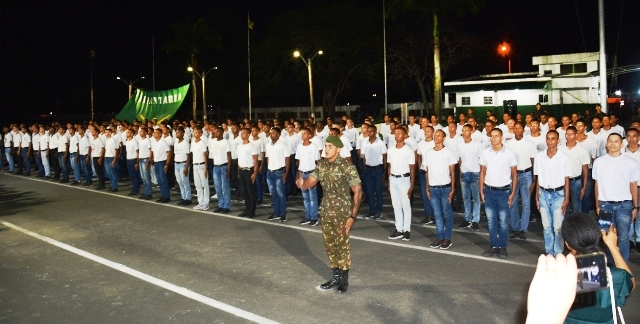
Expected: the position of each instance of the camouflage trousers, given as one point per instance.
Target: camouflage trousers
(336, 242)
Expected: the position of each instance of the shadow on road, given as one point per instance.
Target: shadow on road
(13, 201)
(295, 245)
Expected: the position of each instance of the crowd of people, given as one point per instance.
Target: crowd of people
(524, 169)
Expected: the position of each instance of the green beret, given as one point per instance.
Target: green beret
(335, 141)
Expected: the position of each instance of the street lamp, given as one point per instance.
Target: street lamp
(308, 63)
(504, 49)
(130, 83)
(204, 96)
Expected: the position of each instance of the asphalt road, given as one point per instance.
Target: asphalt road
(77, 255)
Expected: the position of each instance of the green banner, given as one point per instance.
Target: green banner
(153, 104)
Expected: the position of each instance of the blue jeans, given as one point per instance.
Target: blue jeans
(442, 212)
(496, 206)
(183, 180)
(373, 185)
(223, 186)
(36, 156)
(471, 194)
(26, 161)
(111, 171)
(588, 196)
(85, 168)
(426, 204)
(133, 175)
(551, 214)
(9, 155)
(258, 183)
(574, 194)
(634, 231)
(277, 191)
(163, 182)
(145, 176)
(63, 166)
(75, 166)
(310, 197)
(622, 221)
(521, 222)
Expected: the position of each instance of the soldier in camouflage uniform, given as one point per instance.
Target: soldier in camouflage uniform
(339, 209)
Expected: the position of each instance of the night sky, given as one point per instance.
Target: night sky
(45, 45)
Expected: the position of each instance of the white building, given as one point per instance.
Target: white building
(564, 84)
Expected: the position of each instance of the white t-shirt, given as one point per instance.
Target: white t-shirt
(539, 141)
(293, 142)
(83, 145)
(277, 154)
(469, 154)
(614, 174)
(373, 152)
(498, 166)
(601, 140)
(35, 142)
(413, 145)
(452, 142)
(110, 147)
(131, 148)
(26, 140)
(198, 149)
(401, 159)
(423, 148)
(218, 150)
(17, 139)
(63, 140)
(181, 150)
(438, 162)
(234, 142)
(525, 151)
(307, 155)
(44, 142)
(160, 149)
(73, 143)
(168, 139)
(591, 146)
(245, 155)
(144, 148)
(552, 171)
(579, 157)
(634, 155)
(259, 144)
(8, 138)
(96, 147)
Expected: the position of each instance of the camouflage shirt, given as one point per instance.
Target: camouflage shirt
(336, 178)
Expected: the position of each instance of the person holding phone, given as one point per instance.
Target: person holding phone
(616, 188)
(582, 234)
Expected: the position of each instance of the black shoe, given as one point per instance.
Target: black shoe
(343, 286)
(305, 221)
(243, 214)
(259, 202)
(523, 235)
(514, 234)
(100, 188)
(187, 202)
(370, 216)
(75, 183)
(464, 224)
(273, 217)
(132, 193)
(251, 214)
(283, 218)
(445, 245)
(218, 210)
(475, 226)
(225, 210)
(163, 200)
(428, 220)
(148, 197)
(313, 222)
(335, 280)
(502, 254)
(143, 197)
(114, 190)
(491, 252)
(436, 244)
(377, 216)
(406, 236)
(181, 203)
(395, 235)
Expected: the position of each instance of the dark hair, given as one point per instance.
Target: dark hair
(581, 232)
(571, 128)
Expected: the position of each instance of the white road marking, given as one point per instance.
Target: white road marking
(150, 279)
(308, 229)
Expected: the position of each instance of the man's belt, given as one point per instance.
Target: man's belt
(575, 178)
(553, 189)
(246, 169)
(401, 175)
(276, 170)
(525, 170)
(498, 188)
(448, 185)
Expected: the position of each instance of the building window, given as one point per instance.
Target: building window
(452, 99)
(466, 101)
(573, 68)
(488, 100)
(548, 72)
(543, 98)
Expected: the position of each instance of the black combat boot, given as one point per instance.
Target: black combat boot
(343, 286)
(335, 281)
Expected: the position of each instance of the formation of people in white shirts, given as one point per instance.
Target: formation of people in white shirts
(513, 169)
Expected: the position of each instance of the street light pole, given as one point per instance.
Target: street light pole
(130, 83)
(204, 95)
(308, 63)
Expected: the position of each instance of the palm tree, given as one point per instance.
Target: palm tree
(191, 39)
(434, 8)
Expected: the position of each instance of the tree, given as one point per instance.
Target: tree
(409, 54)
(341, 30)
(434, 9)
(191, 38)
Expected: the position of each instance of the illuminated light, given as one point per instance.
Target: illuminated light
(296, 54)
(190, 69)
(618, 92)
